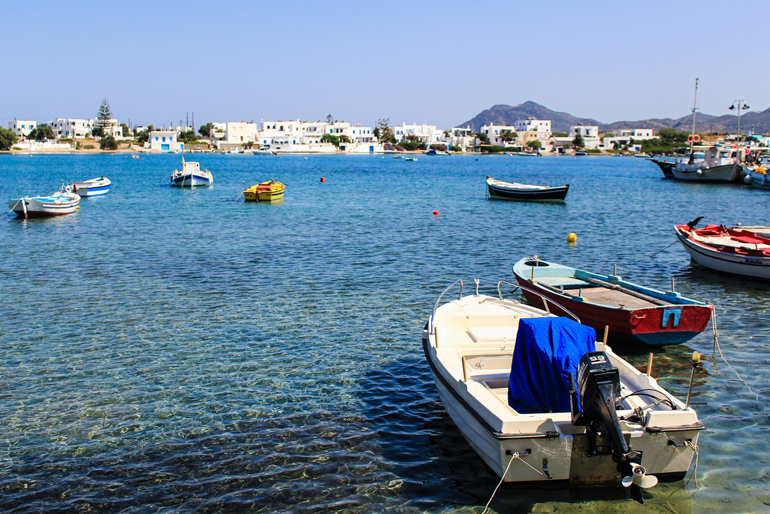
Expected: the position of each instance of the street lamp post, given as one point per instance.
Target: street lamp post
(740, 105)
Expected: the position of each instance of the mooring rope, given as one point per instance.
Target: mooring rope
(694, 475)
(513, 458)
(6, 214)
(719, 349)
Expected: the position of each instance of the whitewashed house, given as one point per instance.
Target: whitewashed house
(22, 128)
(73, 128)
(164, 141)
(622, 138)
(495, 134)
(427, 134)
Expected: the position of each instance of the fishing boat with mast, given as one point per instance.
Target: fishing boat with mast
(720, 164)
(191, 175)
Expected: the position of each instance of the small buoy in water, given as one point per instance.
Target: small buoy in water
(77, 208)
(142, 158)
(323, 179)
(435, 213)
(572, 238)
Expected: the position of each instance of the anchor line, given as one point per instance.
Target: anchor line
(694, 475)
(6, 214)
(513, 458)
(719, 349)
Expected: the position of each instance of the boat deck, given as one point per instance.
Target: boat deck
(593, 293)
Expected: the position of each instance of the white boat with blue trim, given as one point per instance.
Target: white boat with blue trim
(191, 175)
(540, 400)
(94, 187)
(57, 204)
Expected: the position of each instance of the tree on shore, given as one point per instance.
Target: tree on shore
(329, 119)
(8, 138)
(508, 135)
(41, 133)
(578, 142)
(108, 143)
(535, 144)
(126, 130)
(386, 133)
(482, 137)
(206, 129)
(103, 116)
(187, 136)
(330, 138)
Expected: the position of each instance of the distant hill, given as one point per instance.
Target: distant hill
(757, 122)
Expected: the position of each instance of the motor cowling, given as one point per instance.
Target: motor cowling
(598, 389)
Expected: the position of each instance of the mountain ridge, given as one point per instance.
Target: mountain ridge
(501, 114)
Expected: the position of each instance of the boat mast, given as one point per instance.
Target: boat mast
(694, 108)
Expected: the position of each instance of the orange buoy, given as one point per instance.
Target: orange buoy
(323, 179)
(435, 213)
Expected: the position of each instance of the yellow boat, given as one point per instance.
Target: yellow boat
(269, 191)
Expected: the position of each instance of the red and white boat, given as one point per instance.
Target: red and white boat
(729, 250)
(634, 313)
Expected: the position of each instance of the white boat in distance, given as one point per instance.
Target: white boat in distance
(94, 187)
(57, 204)
(191, 175)
(473, 343)
(262, 151)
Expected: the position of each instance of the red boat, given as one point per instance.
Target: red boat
(633, 313)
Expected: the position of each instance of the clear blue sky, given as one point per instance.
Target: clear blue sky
(435, 62)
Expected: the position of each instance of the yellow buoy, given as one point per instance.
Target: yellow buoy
(572, 238)
(77, 208)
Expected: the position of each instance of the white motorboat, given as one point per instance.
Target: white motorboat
(57, 204)
(191, 175)
(94, 187)
(721, 164)
(479, 349)
(729, 250)
(262, 151)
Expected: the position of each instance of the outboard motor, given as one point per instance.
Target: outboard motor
(599, 389)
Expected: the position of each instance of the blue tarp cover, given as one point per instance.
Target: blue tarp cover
(546, 351)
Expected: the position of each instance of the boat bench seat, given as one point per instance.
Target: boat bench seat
(493, 334)
(566, 282)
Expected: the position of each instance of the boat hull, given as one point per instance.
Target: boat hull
(547, 194)
(37, 207)
(745, 263)
(551, 448)
(666, 167)
(760, 181)
(727, 173)
(270, 191)
(190, 181)
(655, 325)
(93, 187)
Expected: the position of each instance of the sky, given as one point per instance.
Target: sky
(439, 63)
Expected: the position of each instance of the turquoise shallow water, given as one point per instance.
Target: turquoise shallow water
(168, 349)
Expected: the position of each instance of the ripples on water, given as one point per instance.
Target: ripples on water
(168, 349)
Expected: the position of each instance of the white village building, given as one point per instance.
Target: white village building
(73, 128)
(22, 128)
(164, 141)
(622, 138)
(424, 133)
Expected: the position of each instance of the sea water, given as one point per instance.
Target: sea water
(169, 349)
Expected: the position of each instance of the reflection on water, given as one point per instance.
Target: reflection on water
(173, 349)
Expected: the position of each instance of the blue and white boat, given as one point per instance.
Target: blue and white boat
(191, 175)
(94, 187)
(57, 204)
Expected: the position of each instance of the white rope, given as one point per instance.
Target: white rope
(513, 458)
(694, 475)
(6, 214)
(719, 349)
